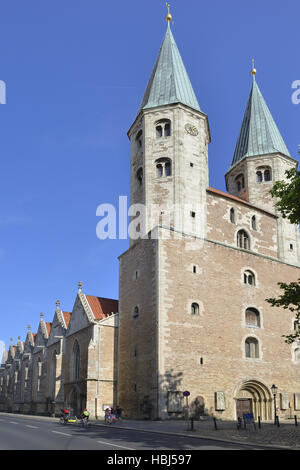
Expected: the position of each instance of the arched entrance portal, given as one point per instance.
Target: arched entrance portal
(76, 401)
(254, 397)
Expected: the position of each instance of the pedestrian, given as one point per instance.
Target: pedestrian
(118, 412)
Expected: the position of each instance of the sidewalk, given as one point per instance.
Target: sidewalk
(286, 436)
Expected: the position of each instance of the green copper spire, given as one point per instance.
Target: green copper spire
(259, 134)
(169, 82)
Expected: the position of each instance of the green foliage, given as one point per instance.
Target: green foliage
(288, 205)
(289, 196)
(289, 300)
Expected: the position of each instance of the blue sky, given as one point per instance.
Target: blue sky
(75, 74)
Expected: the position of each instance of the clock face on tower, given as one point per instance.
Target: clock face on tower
(191, 129)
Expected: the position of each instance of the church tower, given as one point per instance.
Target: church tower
(261, 157)
(168, 147)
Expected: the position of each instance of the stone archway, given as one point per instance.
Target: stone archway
(259, 397)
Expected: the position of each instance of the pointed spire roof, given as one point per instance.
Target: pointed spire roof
(169, 82)
(259, 134)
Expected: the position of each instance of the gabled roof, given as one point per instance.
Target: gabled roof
(169, 82)
(259, 134)
(102, 307)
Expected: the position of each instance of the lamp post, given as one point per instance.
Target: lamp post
(274, 391)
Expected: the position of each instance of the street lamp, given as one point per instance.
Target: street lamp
(274, 391)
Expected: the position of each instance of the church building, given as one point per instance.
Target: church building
(192, 314)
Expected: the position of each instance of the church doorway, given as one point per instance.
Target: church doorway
(252, 396)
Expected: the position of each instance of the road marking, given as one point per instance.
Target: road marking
(33, 427)
(115, 445)
(63, 433)
(13, 422)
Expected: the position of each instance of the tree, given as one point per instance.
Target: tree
(288, 204)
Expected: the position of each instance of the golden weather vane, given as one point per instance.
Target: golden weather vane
(253, 71)
(169, 16)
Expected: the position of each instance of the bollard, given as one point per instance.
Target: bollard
(259, 423)
(215, 423)
(192, 424)
(296, 424)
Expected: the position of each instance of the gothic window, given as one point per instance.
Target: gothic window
(163, 167)
(52, 378)
(253, 223)
(194, 309)
(243, 240)
(251, 348)
(75, 362)
(252, 317)
(232, 215)
(163, 128)
(267, 175)
(249, 278)
(139, 176)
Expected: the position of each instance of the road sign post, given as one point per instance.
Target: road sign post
(186, 394)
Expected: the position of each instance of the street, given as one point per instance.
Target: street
(36, 433)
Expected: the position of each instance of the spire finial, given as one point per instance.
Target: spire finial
(42, 316)
(29, 326)
(253, 71)
(57, 305)
(169, 16)
(79, 286)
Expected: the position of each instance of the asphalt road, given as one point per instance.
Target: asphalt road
(32, 433)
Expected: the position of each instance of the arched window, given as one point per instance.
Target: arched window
(194, 309)
(240, 182)
(297, 355)
(259, 176)
(139, 176)
(253, 223)
(263, 174)
(252, 317)
(163, 128)
(251, 348)
(163, 167)
(232, 215)
(139, 138)
(159, 170)
(159, 132)
(75, 362)
(168, 168)
(249, 278)
(136, 312)
(243, 240)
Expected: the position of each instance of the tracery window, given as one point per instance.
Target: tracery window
(240, 182)
(139, 176)
(75, 361)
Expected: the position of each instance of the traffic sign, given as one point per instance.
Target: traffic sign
(186, 394)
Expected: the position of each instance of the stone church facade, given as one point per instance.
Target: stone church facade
(191, 314)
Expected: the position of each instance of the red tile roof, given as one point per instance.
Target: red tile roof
(67, 317)
(48, 326)
(102, 307)
(238, 199)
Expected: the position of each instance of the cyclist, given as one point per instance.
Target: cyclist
(85, 416)
(64, 414)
